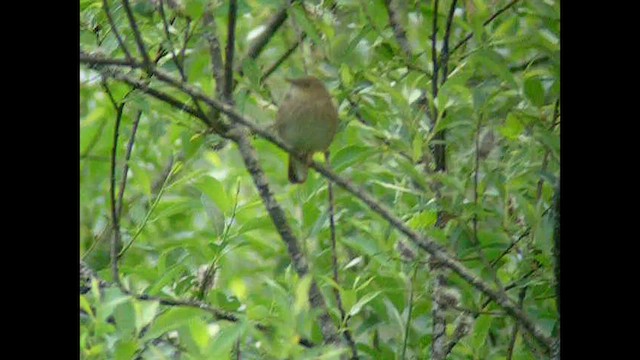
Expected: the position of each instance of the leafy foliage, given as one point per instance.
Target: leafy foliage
(190, 207)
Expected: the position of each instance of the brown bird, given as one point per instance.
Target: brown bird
(307, 120)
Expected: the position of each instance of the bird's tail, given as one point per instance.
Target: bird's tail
(298, 170)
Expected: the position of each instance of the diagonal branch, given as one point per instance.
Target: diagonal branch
(424, 243)
(486, 22)
(136, 33)
(255, 48)
(105, 5)
(250, 158)
(282, 58)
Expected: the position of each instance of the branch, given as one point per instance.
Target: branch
(87, 273)
(556, 263)
(424, 243)
(476, 173)
(514, 333)
(282, 58)
(445, 45)
(167, 34)
(274, 23)
(105, 5)
(214, 49)
(250, 158)
(136, 33)
(408, 324)
(228, 64)
(487, 22)
(439, 308)
(125, 171)
(115, 242)
(398, 29)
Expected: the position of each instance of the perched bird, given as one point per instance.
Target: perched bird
(307, 120)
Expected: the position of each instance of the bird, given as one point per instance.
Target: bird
(307, 120)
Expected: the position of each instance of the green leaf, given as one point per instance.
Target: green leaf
(512, 127)
(345, 75)
(480, 331)
(534, 91)
(214, 190)
(362, 302)
(172, 319)
(84, 305)
(222, 345)
(416, 146)
(199, 333)
(301, 302)
(125, 316)
(195, 8)
(349, 156)
(125, 349)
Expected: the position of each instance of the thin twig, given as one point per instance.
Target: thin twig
(86, 272)
(486, 22)
(115, 242)
(334, 264)
(445, 45)
(426, 244)
(545, 159)
(456, 339)
(105, 5)
(407, 325)
(125, 171)
(208, 278)
(147, 215)
(476, 173)
(258, 44)
(167, 34)
(556, 255)
(514, 333)
(273, 24)
(282, 59)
